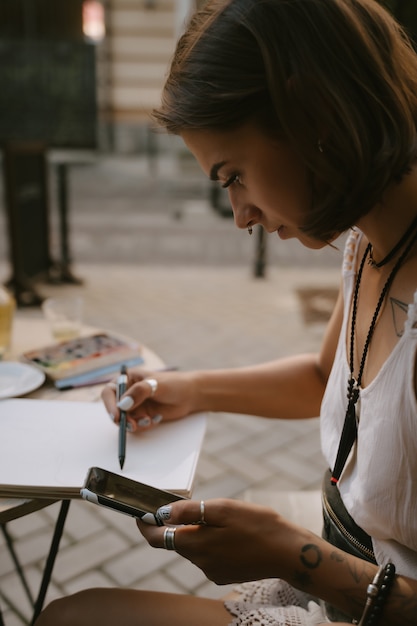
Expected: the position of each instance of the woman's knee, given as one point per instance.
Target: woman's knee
(50, 614)
(69, 610)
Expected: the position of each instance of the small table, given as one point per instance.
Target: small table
(30, 332)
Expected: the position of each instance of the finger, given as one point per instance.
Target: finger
(209, 512)
(131, 425)
(108, 396)
(146, 416)
(142, 419)
(153, 384)
(137, 394)
(147, 421)
(156, 536)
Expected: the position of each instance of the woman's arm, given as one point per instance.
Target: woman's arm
(287, 388)
(242, 542)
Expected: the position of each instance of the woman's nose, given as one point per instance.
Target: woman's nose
(245, 215)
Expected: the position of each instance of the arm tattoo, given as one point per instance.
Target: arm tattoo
(311, 556)
(337, 556)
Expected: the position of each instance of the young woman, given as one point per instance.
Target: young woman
(306, 111)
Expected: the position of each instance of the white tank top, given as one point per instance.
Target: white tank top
(379, 483)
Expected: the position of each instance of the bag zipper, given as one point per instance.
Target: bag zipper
(363, 549)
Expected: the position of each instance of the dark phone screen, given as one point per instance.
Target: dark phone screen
(122, 489)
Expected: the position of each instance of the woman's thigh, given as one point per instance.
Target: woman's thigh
(127, 607)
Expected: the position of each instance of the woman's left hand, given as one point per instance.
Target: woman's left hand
(236, 542)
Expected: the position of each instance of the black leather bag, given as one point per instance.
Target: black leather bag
(340, 530)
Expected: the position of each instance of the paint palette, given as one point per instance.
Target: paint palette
(82, 354)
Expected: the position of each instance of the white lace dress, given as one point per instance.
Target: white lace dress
(273, 602)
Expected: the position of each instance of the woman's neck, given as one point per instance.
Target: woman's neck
(387, 222)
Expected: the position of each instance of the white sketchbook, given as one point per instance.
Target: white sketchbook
(47, 447)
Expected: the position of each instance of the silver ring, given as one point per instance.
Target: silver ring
(202, 511)
(153, 384)
(169, 538)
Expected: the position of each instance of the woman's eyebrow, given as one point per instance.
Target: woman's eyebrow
(214, 172)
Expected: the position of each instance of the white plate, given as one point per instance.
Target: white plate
(17, 379)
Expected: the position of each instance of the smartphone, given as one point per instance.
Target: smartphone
(125, 495)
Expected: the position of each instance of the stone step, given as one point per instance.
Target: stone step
(138, 72)
(142, 48)
(136, 101)
(137, 22)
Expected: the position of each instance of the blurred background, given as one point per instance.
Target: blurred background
(94, 204)
(79, 79)
(85, 179)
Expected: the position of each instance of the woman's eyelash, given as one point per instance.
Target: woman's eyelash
(234, 178)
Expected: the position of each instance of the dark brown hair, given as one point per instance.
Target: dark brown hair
(341, 72)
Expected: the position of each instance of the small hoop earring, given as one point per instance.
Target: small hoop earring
(320, 146)
(250, 230)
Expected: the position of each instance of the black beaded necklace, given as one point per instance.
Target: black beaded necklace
(391, 254)
(350, 426)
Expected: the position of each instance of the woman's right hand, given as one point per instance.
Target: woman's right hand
(170, 397)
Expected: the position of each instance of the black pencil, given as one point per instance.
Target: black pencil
(121, 388)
